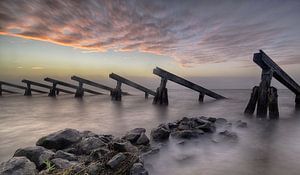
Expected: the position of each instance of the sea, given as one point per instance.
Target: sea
(263, 148)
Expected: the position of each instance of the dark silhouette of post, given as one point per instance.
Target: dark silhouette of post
(162, 91)
(252, 102)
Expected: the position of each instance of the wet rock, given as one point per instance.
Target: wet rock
(18, 166)
(207, 127)
(143, 140)
(36, 154)
(60, 140)
(86, 134)
(224, 136)
(134, 134)
(220, 121)
(97, 154)
(241, 124)
(116, 160)
(183, 126)
(124, 147)
(160, 134)
(212, 119)
(138, 169)
(62, 163)
(89, 144)
(65, 155)
(187, 134)
(94, 169)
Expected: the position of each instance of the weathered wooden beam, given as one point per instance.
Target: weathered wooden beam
(58, 82)
(46, 86)
(265, 62)
(297, 101)
(131, 83)
(252, 102)
(169, 76)
(21, 87)
(9, 91)
(263, 92)
(116, 94)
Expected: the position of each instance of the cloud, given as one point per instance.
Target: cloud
(191, 32)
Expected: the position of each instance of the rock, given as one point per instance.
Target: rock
(98, 153)
(143, 140)
(86, 134)
(65, 155)
(134, 134)
(224, 136)
(94, 169)
(183, 126)
(220, 121)
(207, 127)
(124, 147)
(62, 163)
(138, 169)
(241, 124)
(116, 160)
(160, 134)
(212, 119)
(60, 140)
(87, 145)
(18, 166)
(36, 154)
(187, 134)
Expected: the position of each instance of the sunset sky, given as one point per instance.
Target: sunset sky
(210, 38)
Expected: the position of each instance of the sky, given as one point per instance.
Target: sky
(192, 38)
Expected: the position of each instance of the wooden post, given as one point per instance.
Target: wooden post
(28, 90)
(252, 102)
(161, 96)
(116, 93)
(79, 91)
(146, 95)
(273, 103)
(53, 91)
(0, 89)
(201, 97)
(297, 101)
(262, 103)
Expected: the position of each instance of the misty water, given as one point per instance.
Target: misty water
(265, 147)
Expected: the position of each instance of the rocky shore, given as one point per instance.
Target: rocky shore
(71, 152)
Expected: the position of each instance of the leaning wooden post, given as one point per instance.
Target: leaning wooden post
(28, 90)
(297, 101)
(273, 103)
(53, 90)
(262, 103)
(79, 91)
(252, 102)
(161, 96)
(116, 93)
(201, 97)
(0, 89)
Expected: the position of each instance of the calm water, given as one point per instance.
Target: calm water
(265, 147)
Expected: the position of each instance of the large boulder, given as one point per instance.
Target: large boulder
(18, 166)
(160, 134)
(36, 154)
(62, 163)
(138, 169)
(60, 139)
(65, 155)
(143, 140)
(187, 134)
(87, 145)
(116, 160)
(134, 134)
